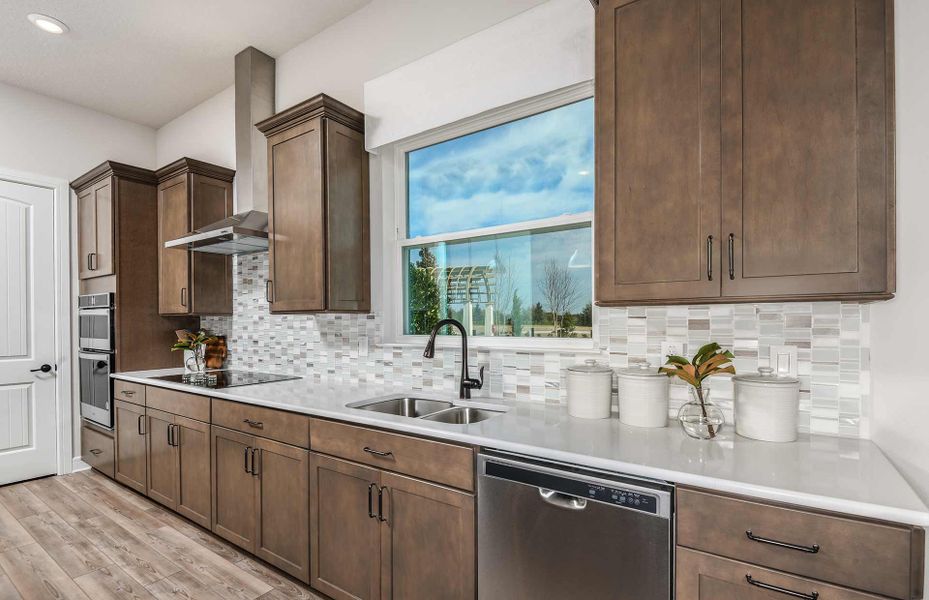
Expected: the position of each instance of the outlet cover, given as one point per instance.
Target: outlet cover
(676, 348)
(784, 360)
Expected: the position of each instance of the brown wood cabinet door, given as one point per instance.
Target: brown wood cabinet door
(235, 489)
(131, 468)
(348, 248)
(296, 219)
(162, 458)
(192, 447)
(345, 548)
(86, 232)
(104, 259)
(658, 150)
(210, 274)
(283, 509)
(702, 576)
(808, 147)
(173, 263)
(427, 540)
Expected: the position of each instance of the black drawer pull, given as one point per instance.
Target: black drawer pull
(127, 393)
(96, 452)
(761, 540)
(780, 590)
(255, 424)
(377, 452)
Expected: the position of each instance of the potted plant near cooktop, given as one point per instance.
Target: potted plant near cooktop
(700, 418)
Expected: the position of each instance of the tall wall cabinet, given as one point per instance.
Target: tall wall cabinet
(318, 224)
(118, 253)
(192, 194)
(745, 150)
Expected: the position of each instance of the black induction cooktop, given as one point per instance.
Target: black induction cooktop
(225, 379)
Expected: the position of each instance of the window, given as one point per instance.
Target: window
(498, 228)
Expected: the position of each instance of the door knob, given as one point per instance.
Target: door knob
(44, 368)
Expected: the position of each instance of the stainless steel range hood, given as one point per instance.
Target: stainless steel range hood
(243, 233)
(247, 230)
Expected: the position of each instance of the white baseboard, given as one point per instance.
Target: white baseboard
(78, 465)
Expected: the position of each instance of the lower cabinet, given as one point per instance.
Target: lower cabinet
(702, 576)
(98, 450)
(376, 534)
(179, 464)
(260, 491)
(131, 463)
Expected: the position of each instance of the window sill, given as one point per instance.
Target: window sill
(478, 344)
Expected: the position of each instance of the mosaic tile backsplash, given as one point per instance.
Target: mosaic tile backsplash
(832, 340)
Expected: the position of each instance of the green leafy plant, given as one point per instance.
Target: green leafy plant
(709, 360)
(187, 340)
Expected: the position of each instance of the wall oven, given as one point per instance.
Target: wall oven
(96, 358)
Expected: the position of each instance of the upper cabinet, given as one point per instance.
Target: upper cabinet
(745, 151)
(95, 229)
(192, 194)
(118, 253)
(318, 225)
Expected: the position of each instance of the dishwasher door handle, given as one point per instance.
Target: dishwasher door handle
(562, 500)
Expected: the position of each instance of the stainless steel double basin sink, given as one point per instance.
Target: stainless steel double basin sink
(427, 409)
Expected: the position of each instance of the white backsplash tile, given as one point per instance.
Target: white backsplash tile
(832, 340)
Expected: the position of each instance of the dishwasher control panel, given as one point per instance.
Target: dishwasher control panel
(618, 496)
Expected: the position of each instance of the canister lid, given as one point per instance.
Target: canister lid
(766, 375)
(590, 366)
(641, 370)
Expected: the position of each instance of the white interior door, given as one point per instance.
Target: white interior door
(28, 415)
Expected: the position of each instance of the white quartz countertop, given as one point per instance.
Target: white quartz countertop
(844, 475)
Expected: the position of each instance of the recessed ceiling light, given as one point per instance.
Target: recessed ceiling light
(47, 23)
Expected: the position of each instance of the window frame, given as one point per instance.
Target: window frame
(393, 163)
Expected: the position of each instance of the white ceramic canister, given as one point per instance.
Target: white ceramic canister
(767, 406)
(643, 396)
(590, 390)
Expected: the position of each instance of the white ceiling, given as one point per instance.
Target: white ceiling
(149, 61)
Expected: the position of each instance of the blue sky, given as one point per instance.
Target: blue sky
(537, 167)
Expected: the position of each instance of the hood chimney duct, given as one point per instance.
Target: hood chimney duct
(254, 101)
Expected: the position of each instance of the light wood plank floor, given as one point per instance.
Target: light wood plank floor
(85, 537)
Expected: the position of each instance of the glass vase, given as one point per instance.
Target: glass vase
(196, 362)
(700, 418)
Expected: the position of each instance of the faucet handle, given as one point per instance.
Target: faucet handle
(475, 384)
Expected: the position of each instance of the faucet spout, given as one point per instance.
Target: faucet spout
(467, 383)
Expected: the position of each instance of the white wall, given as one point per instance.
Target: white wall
(56, 139)
(900, 328)
(205, 132)
(380, 37)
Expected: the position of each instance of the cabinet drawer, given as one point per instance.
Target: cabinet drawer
(877, 557)
(192, 406)
(425, 459)
(129, 392)
(97, 450)
(706, 577)
(277, 425)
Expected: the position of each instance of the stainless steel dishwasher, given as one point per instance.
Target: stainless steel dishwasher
(549, 530)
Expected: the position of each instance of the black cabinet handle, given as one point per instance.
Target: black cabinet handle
(255, 424)
(184, 297)
(709, 258)
(248, 452)
(380, 504)
(371, 487)
(731, 256)
(96, 452)
(129, 393)
(44, 369)
(256, 470)
(762, 540)
(378, 452)
(168, 430)
(141, 424)
(780, 590)
(269, 291)
(93, 261)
